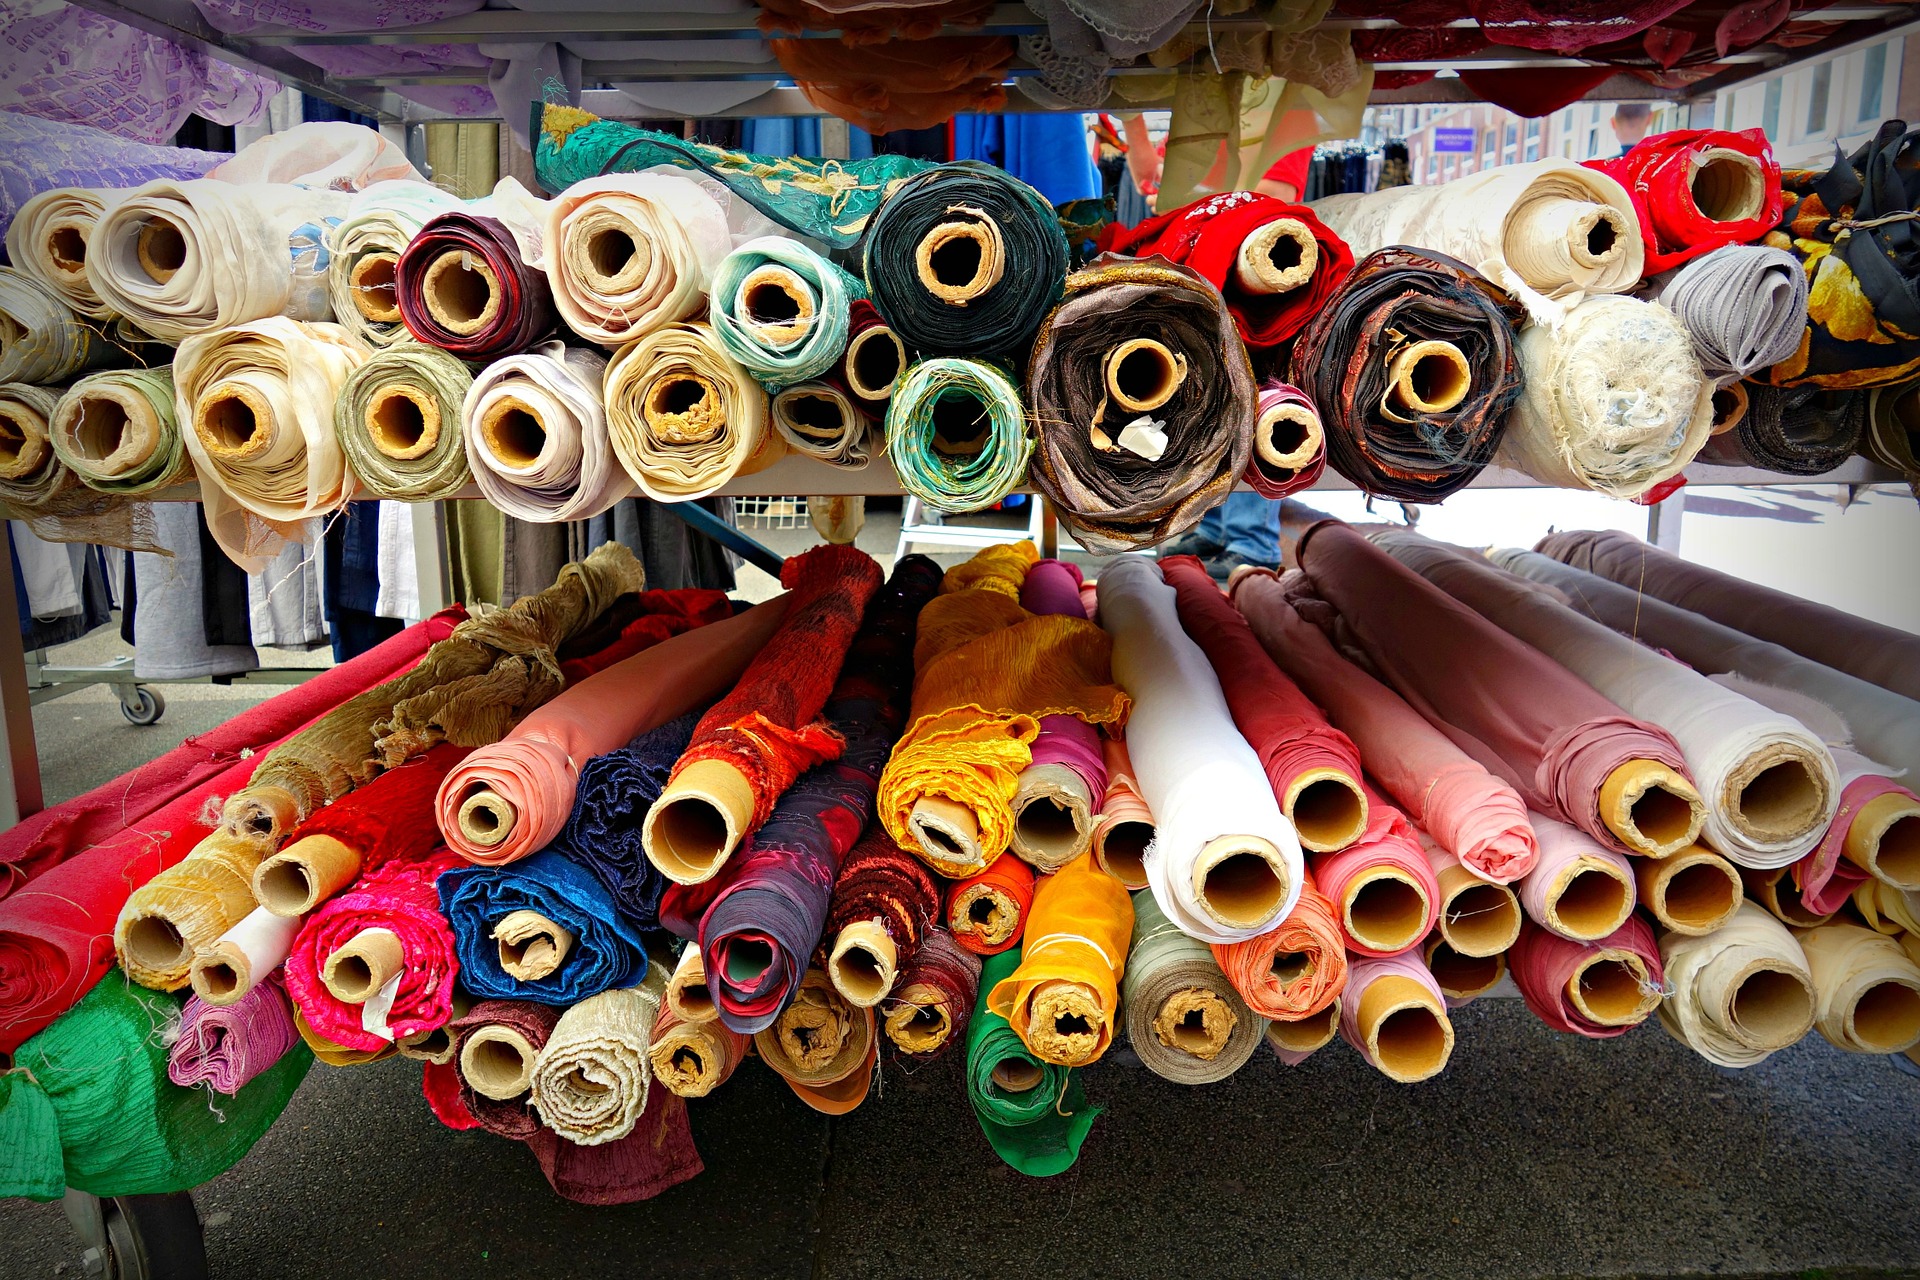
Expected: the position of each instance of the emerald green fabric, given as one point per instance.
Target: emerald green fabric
(88, 1104)
(1037, 1132)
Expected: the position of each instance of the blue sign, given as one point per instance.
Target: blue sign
(1453, 140)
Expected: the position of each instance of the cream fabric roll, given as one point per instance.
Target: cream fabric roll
(684, 416)
(120, 431)
(1614, 400)
(823, 422)
(364, 249)
(590, 1081)
(1549, 232)
(630, 252)
(1866, 989)
(537, 436)
(1771, 787)
(1217, 821)
(48, 240)
(42, 339)
(1739, 993)
(183, 258)
(255, 404)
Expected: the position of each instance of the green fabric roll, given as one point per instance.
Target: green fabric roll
(88, 1104)
(800, 335)
(119, 434)
(1038, 1131)
(957, 435)
(420, 390)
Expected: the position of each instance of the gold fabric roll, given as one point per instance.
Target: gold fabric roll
(1866, 989)
(187, 907)
(684, 416)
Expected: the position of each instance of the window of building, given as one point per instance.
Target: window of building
(1873, 76)
(1487, 145)
(1817, 95)
(1433, 164)
(1533, 140)
(1593, 143)
(1770, 112)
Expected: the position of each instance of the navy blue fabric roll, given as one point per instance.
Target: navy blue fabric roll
(603, 831)
(605, 952)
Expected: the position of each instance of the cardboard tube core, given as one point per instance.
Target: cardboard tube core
(156, 944)
(1694, 892)
(959, 261)
(985, 911)
(367, 962)
(1427, 377)
(818, 413)
(1196, 1021)
(1652, 809)
(682, 407)
(1778, 798)
(875, 360)
(485, 817)
(402, 422)
(1277, 257)
(1327, 808)
(232, 421)
(23, 442)
(776, 304)
(1886, 1017)
(1461, 976)
(1143, 374)
(613, 256)
(532, 947)
(688, 994)
(1612, 987)
(512, 433)
(221, 974)
(1288, 436)
(918, 1022)
(67, 246)
(304, 874)
(1589, 899)
(1121, 849)
(698, 821)
(1730, 404)
(1064, 1022)
(1017, 1075)
(1304, 1035)
(1240, 880)
(812, 1030)
(1476, 918)
(267, 812)
(1769, 1008)
(1052, 816)
(1597, 235)
(497, 1061)
(1727, 185)
(1884, 840)
(1384, 909)
(161, 249)
(1405, 1030)
(947, 832)
(1777, 891)
(863, 963)
(373, 277)
(461, 292)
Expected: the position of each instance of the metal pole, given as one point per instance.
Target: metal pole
(20, 794)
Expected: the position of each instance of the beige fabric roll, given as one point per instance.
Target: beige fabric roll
(1740, 993)
(1887, 909)
(1866, 989)
(590, 1082)
(1780, 896)
(1693, 892)
(687, 992)
(31, 471)
(820, 1039)
(630, 252)
(692, 1059)
(48, 239)
(186, 908)
(821, 421)
(256, 409)
(684, 416)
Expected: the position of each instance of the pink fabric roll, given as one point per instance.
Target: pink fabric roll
(1362, 973)
(1123, 805)
(1562, 846)
(1053, 586)
(536, 768)
(1264, 475)
(1090, 600)
(1826, 878)
(1390, 842)
(1543, 965)
(1472, 813)
(225, 1046)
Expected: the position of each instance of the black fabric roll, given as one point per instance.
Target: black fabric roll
(1798, 431)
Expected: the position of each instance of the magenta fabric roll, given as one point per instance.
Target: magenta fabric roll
(1053, 587)
(1543, 963)
(225, 1046)
(1560, 846)
(1263, 476)
(1389, 841)
(1825, 877)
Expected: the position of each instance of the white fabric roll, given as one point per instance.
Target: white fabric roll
(1705, 974)
(217, 254)
(536, 436)
(381, 220)
(251, 950)
(675, 231)
(1549, 232)
(48, 240)
(1770, 786)
(1197, 774)
(590, 1081)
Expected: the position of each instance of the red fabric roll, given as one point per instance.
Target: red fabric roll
(1266, 477)
(400, 897)
(1008, 882)
(1390, 842)
(881, 881)
(1207, 235)
(652, 616)
(1826, 878)
(51, 836)
(522, 300)
(658, 1155)
(862, 316)
(1659, 174)
(391, 817)
(1543, 963)
(440, 1085)
(513, 1117)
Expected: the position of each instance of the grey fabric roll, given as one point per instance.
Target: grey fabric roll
(1796, 431)
(1745, 306)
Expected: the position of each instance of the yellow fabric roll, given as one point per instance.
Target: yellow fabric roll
(1866, 990)
(684, 416)
(1071, 962)
(187, 907)
(1887, 909)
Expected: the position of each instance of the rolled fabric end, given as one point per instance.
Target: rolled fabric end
(1120, 847)
(1462, 978)
(357, 971)
(1242, 881)
(1294, 1041)
(1727, 185)
(1142, 374)
(1777, 891)
(434, 1045)
(863, 963)
(986, 917)
(1426, 377)
(822, 1046)
(949, 836)
(1884, 840)
(372, 279)
(1327, 808)
(111, 426)
(305, 874)
(532, 947)
(1288, 436)
(1651, 809)
(776, 304)
(1867, 989)
(692, 1059)
(403, 422)
(1276, 257)
(875, 360)
(486, 818)
(1053, 816)
(1066, 1024)
(1730, 404)
(461, 292)
(225, 972)
(1612, 987)
(1398, 1023)
(1196, 1021)
(1587, 898)
(699, 820)
(1694, 892)
(496, 1061)
(266, 811)
(1768, 1006)
(1781, 794)
(919, 1024)
(688, 994)
(1385, 909)
(1477, 918)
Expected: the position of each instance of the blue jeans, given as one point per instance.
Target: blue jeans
(1246, 525)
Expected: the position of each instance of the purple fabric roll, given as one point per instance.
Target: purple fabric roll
(225, 1046)
(1053, 587)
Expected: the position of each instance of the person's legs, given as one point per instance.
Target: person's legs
(1205, 539)
(1252, 528)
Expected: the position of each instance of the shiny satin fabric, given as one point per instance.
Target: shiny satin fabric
(781, 309)
(464, 284)
(1064, 998)
(932, 1003)
(1695, 190)
(957, 434)
(823, 1047)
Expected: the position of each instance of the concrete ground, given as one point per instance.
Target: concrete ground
(1534, 1154)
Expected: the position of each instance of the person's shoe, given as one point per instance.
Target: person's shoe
(1220, 567)
(1190, 543)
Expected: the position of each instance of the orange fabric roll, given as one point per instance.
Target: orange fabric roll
(1071, 962)
(900, 84)
(987, 913)
(1295, 970)
(1125, 829)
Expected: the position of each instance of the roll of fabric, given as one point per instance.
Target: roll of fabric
(1696, 190)
(1056, 797)
(42, 340)
(821, 421)
(1745, 306)
(685, 416)
(1382, 885)
(1141, 392)
(1694, 891)
(1596, 989)
(1063, 1000)
(399, 419)
(1770, 786)
(1125, 829)
(364, 250)
(185, 258)
(1413, 366)
(1580, 889)
(1866, 989)
(1800, 431)
(1297, 969)
(32, 476)
(1225, 864)
(1566, 429)
(120, 433)
(628, 253)
(543, 929)
(875, 359)
(497, 1043)
(255, 404)
(692, 1059)
(1883, 725)
(638, 621)
(333, 1053)
(957, 435)
(1730, 405)
(823, 1047)
(1546, 231)
(1184, 1018)
(609, 808)
(1892, 434)
(964, 259)
(656, 1156)
(1477, 918)
(987, 912)
(1289, 442)
(1314, 769)
(377, 962)
(590, 1081)
(1570, 753)
(48, 240)
(755, 741)
(1462, 979)
(928, 1011)
(1395, 1014)
(1873, 834)
(513, 798)
(1275, 263)
(227, 970)
(1294, 1042)
(1034, 1113)
(226, 1047)
(186, 908)
(537, 436)
(1886, 909)
(688, 993)
(1740, 993)
(1776, 891)
(883, 902)
(781, 310)
(466, 284)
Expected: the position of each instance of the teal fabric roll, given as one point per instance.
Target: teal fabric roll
(780, 309)
(957, 434)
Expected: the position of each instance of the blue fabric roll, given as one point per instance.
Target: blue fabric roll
(606, 952)
(603, 831)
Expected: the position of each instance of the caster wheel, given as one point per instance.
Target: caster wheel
(152, 1237)
(143, 707)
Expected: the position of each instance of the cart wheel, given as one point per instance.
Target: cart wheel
(155, 1238)
(143, 706)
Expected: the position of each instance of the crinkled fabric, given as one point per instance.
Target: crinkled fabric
(609, 807)
(605, 950)
(225, 1047)
(1039, 1130)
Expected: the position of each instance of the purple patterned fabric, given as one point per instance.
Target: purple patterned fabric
(353, 61)
(44, 154)
(225, 1046)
